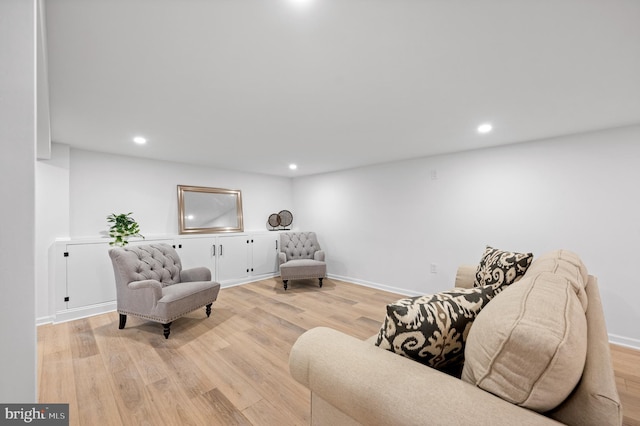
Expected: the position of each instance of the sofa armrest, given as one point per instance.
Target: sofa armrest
(153, 285)
(319, 255)
(195, 274)
(465, 276)
(282, 258)
(595, 401)
(377, 387)
(135, 285)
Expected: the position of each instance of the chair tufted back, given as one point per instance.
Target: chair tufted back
(299, 245)
(158, 262)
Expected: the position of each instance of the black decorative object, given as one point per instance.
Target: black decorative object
(274, 221)
(286, 218)
(281, 220)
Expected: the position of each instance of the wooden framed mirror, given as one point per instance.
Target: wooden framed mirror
(203, 210)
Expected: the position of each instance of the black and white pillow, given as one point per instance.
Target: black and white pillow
(432, 329)
(501, 267)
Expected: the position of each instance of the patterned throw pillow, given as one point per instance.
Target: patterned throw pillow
(432, 329)
(501, 267)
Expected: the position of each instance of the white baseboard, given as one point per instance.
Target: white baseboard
(247, 280)
(44, 320)
(102, 308)
(83, 312)
(624, 341)
(402, 291)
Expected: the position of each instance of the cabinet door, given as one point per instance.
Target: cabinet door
(90, 278)
(264, 254)
(233, 258)
(195, 252)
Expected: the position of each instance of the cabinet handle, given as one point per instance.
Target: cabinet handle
(276, 244)
(214, 250)
(220, 249)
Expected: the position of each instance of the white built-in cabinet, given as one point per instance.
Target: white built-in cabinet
(233, 258)
(264, 254)
(84, 283)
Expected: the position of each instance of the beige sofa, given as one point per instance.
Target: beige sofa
(354, 382)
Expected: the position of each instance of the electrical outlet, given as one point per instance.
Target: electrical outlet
(434, 268)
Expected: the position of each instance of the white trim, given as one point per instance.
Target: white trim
(102, 308)
(44, 320)
(84, 311)
(402, 291)
(624, 341)
(247, 280)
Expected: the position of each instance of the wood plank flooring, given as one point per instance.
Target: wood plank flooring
(626, 364)
(230, 369)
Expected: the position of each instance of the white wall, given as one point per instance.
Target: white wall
(101, 184)
(78, 189)
(385, 225)
(17, 181)
(52, 221)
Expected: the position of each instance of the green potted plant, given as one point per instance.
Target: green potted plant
(124, 226)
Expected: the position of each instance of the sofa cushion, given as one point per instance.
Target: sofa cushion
(567, 264)
(303, 268)
(529, 345)
(501, 267)
(432, 329)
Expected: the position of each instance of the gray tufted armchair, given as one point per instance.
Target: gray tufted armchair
(151, 284)
(300, 257)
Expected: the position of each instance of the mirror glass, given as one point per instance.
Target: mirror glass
(207, 210)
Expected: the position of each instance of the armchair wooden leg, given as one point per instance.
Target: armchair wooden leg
(285, 283)
(208, 309)
(123, 321)
(167, 330)
(320, 282)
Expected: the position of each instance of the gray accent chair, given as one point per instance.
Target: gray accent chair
(151, 284)
(301, 257)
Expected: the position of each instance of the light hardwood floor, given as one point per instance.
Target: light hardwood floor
(230, 369)
(626, 364)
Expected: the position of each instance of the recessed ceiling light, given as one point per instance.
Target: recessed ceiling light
(485, 128)
(139, 140)
(293, 166)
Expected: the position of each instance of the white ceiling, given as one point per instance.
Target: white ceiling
(254, 85)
